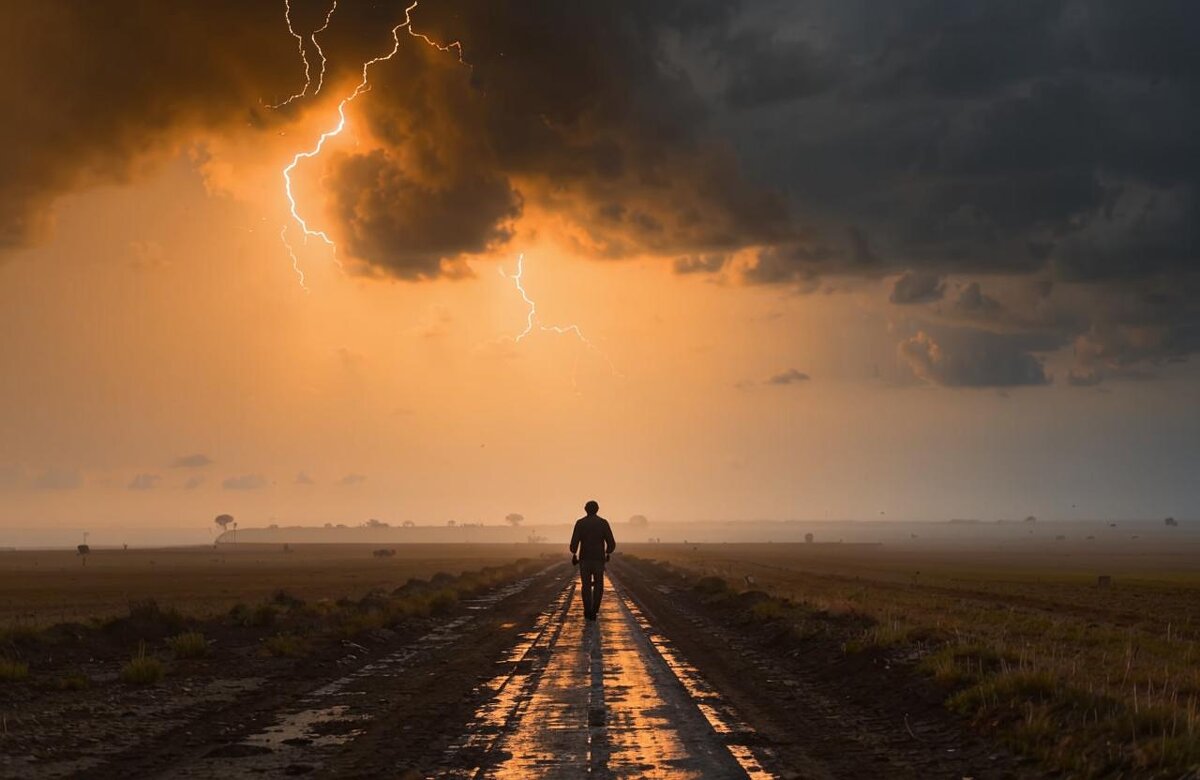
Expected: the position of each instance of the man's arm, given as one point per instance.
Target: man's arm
(575, 538)
(610, 543)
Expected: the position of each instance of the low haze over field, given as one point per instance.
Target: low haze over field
(699, 259)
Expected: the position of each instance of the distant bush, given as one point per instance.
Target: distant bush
(191, 644)
(283, 646)
(147, 614)
(143, 669)
(768, 610)
(711, 586)
(443, 601)
(281, 598)
(260, 616)
(13, 671)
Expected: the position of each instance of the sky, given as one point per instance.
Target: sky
(697, 259)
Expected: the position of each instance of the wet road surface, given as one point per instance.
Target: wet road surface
(608, 698)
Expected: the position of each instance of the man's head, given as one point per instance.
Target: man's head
(591, 507)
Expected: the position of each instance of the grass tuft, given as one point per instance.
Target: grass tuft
(143, 669)
(190, 644)
(13, 671)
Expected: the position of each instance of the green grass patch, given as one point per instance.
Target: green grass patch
(12, 670)
(143, 669)
(190, 644)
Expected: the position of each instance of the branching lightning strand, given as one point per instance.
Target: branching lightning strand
(362, 86)
(532, 318)
(287, 16)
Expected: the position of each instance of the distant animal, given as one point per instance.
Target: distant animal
(384, 553)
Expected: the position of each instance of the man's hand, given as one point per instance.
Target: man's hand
(574, 560)
(607, 557)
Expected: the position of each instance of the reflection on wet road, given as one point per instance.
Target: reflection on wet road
(608, 698)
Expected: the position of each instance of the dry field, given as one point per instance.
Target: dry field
(1091, 680)
(39, 588)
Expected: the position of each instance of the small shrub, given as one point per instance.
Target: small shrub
(75, 681)
(711, 586)
(355, 623)
(149, 614)
(191, 644)
(443, 601)
(143, 669)
(283, 646)
(260, 616)
(19, 633)
(766, 611)
(409, 607)
(13, 671)
(286, 600)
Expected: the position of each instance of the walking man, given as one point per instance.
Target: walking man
(591, 545)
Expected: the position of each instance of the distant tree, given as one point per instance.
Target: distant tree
(1171, 521)
(373, 523)
(451, 523)
(224, 521)
(1031, 519)
(808, 538)
(274, 526)
(514, 519)
(84, 550)
(408, 524)
(329, 525)
(639, 521)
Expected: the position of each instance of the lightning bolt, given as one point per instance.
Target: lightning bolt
(532, 320)
(362, 86)
(287, 16)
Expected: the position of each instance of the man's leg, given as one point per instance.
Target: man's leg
(585, 590)
(597, 587)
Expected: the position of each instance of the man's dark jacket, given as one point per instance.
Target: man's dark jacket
(593, 538)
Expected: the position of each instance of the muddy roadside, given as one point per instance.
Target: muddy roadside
(857, 714)
(242, 705)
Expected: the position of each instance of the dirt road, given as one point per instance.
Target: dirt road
(516, 684)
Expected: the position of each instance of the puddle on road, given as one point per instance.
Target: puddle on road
(611, 698)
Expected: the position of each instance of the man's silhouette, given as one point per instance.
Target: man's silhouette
(591, 545)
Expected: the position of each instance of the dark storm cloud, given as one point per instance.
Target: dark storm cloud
(573, 107)
(91, 87)
(1056, 139)
(972, 358)
(1059, 139)
(917, 287)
